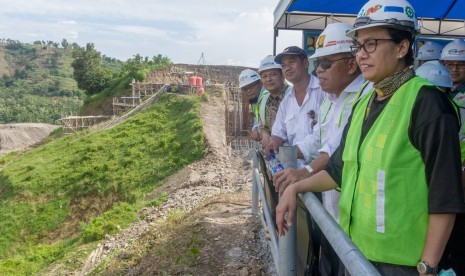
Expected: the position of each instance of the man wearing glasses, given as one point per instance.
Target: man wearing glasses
(293, 124)
(453, 58)
(341, 78)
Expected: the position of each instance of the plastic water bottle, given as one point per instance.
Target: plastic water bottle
(275, 166)
(448, 272)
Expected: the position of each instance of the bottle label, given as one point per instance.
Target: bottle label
(276, 168)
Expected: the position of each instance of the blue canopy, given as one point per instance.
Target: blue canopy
(436, 17)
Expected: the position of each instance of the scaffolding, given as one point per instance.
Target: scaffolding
(76, 123)
(139, 91)
(238, 119)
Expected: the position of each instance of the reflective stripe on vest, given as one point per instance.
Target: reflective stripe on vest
(260, 107)
(384, 198)
(345, 112)
(260, 102)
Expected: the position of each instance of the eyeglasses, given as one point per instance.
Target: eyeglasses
(368, 46)
(326, 63)
(250, 86)
(451, 66)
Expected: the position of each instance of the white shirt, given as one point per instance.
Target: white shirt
(333, 120)
(334, 113)
(293, 124)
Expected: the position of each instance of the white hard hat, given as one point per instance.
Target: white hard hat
(434, 72)
(247, 77)
(429, 51)
(396, 14)
(333, 40)
(269, 63)
(455, 50)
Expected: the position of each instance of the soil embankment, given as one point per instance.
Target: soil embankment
(19, 136)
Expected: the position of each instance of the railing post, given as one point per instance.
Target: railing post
(254, 181)
(287, 244)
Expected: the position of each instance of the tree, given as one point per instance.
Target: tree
(88, 72)
(64, 43)
(134, 65)
(161, 61)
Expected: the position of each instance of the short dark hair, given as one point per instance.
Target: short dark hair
(397, 36)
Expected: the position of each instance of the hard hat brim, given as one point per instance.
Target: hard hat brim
(353, 33)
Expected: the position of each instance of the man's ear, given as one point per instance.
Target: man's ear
(353, 66)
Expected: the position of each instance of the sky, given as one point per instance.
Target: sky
(227, 32)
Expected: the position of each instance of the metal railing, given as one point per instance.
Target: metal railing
(283, 249)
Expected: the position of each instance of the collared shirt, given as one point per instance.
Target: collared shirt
(293, 123)
(271, 108)
(334, 114)
(333, 119)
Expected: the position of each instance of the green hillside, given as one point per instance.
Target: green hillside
(77, 188)
(43, 81)
(36, 82)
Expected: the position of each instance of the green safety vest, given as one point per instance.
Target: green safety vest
(384, 199)
(326, 106)
(260, 108)
(256, 108)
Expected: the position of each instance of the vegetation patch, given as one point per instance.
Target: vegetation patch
(78, 188)
(168, 249)
(36, 84)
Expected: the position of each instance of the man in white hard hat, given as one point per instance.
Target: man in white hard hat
(341, 78)
(275, 88)
(453, 58)
(436, 73)
(296, 118)
(250, 85)
(429, 51)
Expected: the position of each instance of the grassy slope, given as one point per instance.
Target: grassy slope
(78, 188)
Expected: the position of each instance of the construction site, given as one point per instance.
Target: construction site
(214, 190)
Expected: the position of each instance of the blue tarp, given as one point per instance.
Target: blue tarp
(438, 9)
(437, 17)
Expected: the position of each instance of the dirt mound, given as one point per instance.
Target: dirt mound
(19, 136)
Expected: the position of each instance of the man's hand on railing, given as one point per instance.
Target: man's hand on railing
(255, 134)
(285, 210)
(284, 178)
(265, 139)
(271, 147)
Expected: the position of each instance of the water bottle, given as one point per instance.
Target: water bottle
(275, 166)
(448, 272)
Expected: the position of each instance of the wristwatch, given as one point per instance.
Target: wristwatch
(309, 169)
(424, 268)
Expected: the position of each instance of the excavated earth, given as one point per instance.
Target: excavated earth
(214, 194)
(19, 136)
